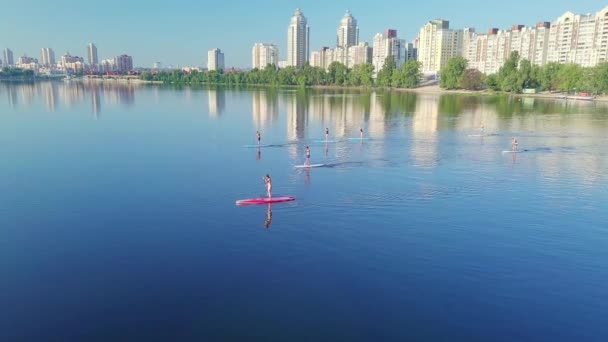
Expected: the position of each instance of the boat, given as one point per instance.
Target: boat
(582, 96)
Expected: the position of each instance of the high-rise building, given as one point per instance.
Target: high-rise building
(387, 45)
(263, 55)
(92, 54)
(215, 59)
(359, 54)
(298, 38)
(322, 58)
(437, 44)
(26, 60)
(47, 57)
(348, 31)
(8, 57)
(71, 63)
(123, 63)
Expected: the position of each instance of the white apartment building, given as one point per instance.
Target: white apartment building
(359, 54)
(215, 60)
(92, 54)
(263, 55)
(386, 45)
(8, 57)
(47, 57)
(298, 37)
(579, 39)
(437, 44)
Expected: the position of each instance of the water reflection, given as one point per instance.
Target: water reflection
(265, 107)
(55, 94)
(216, 101)
(424, 131)
(268, 219)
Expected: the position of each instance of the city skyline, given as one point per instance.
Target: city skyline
(172, 46)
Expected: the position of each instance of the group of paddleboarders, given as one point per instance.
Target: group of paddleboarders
(268, 180)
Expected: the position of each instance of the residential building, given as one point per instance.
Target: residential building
(322, 58)
(71, 63)
(123, 63)
(437, 44)
(92, 54)
(579, 39)
(8, 57)
(347, 36)
(298, 38)
(263, 55)
(359, 54)
(387, 45)
(215, 60)
(283, 64)
(25, 62)
(47, 57)
(108, 65)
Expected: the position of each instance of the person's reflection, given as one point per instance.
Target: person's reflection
(268, 217)
(326, 149)
(307, 170)
(514, 157)
(258, 154)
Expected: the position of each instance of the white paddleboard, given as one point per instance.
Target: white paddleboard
(512, 151)
(307, 166)
(255, 146)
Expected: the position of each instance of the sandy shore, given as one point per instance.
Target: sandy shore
(435, 89)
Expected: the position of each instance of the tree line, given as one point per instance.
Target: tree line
(337, 74)
(518, 74)
(16, 73)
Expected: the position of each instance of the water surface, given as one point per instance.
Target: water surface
(118, 217)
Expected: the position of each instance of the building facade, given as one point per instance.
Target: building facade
(571, 38)
(123, 63)
(263, 55)
(359, 54)
(8, 57)
(437, 43)
(92, 54)
(387, 45)
(298, 39)
(47, 57)
(215, 60)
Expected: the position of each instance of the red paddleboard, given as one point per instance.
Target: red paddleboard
(264, 200)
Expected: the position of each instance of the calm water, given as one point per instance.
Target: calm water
(118, 218)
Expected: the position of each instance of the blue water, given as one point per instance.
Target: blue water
(118, 217)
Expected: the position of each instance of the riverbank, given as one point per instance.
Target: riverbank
(435, 89)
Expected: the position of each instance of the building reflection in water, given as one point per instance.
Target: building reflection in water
(424, 131)
(216, 102)
(264, 107)
(50, 95)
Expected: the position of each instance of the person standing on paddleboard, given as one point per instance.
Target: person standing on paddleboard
(361, 133)
(514, 144)
(258, 136)
(307, 155)
(326, 134)
(268, 182)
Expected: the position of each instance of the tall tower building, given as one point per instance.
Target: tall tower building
(348, 31)
(215, 59)
(298, 38)
(8, 57)
(92, 54)
(263, 55)
(47, 57)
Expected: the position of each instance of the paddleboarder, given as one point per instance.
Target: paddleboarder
(361, 133)
(307, 155)
(326, 134)
(258, 136)
(268, 183)
(514, 144)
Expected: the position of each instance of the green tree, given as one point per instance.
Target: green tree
(451, 74)
(472, 79)
(507, 78)
(385, 75)
(407, 76)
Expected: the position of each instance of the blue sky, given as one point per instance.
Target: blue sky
(180, 32)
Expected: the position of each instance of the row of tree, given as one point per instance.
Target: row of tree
(518, 74)
(16, 73)
(406, 76)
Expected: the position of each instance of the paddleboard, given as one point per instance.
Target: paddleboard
(477, 135)
(325, 141)
(513, 151)
(265, 200)
(255, 146)
(307, 166)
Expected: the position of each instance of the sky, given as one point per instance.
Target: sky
(180, 32)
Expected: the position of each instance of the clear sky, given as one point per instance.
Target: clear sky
(179, 32)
